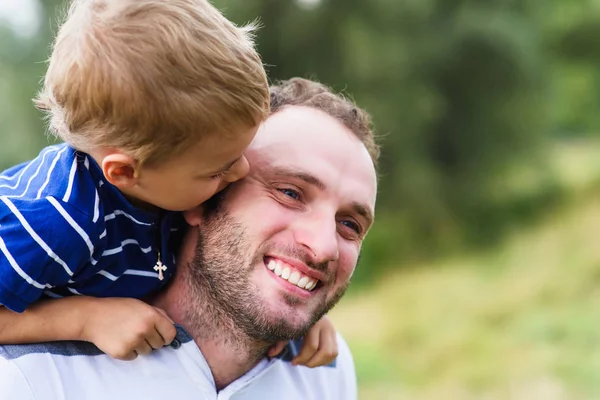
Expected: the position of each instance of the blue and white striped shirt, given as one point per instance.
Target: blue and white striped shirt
(64, 230)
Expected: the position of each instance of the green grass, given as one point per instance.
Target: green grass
(520, 321)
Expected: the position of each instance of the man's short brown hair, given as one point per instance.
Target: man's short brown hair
(151, 77)
(303, 92)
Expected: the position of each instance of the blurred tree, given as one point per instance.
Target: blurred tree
(21, 69)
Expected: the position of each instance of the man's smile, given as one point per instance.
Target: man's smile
(288, 273)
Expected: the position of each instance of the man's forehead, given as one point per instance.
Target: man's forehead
(300, 130)
(312, 143)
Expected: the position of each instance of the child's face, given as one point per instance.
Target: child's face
(192, 177)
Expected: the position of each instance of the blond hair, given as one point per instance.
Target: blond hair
(303, 92)
(151, 77)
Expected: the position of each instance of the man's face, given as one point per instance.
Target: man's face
(280, 249)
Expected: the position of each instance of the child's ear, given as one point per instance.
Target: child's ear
(120, 170)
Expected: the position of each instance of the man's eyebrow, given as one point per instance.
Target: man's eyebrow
(299, 174)
(363, 212)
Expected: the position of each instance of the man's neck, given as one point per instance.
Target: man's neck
(229, 352)
(229, 360)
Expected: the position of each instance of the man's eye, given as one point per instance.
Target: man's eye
(290, 193)
(352, 225)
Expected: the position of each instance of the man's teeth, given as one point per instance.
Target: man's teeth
(291, 275)
(302, 282)
(294, 278)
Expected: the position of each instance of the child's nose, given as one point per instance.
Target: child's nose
(239, 170)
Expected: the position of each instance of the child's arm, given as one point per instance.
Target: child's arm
(44, 243)
(121, 327)
(319, 347)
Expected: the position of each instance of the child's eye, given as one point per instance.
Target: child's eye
(219, 175)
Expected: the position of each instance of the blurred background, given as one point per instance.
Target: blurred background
(481, 276)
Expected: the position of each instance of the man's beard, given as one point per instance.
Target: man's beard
(227, 300)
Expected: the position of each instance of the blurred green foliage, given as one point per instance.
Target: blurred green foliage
(467, 97)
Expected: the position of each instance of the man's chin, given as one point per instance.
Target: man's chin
(285, 312)
(284, 320)
(283, 328)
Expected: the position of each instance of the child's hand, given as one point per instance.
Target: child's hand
(124, 328)
(320, 345)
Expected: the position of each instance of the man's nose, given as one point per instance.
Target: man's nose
(318, 233)
(239, 170)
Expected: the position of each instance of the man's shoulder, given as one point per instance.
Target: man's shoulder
(35, 371)
(13, 384)
(334, 381)
(49, 370)
(61, 348)
(344, 357)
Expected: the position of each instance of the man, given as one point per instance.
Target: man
(260, 264)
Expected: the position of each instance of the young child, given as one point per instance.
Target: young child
(156, 102)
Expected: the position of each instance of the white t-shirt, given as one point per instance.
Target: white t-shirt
(79, 371)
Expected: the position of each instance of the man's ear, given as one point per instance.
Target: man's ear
(120, 169)
(194, 216)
